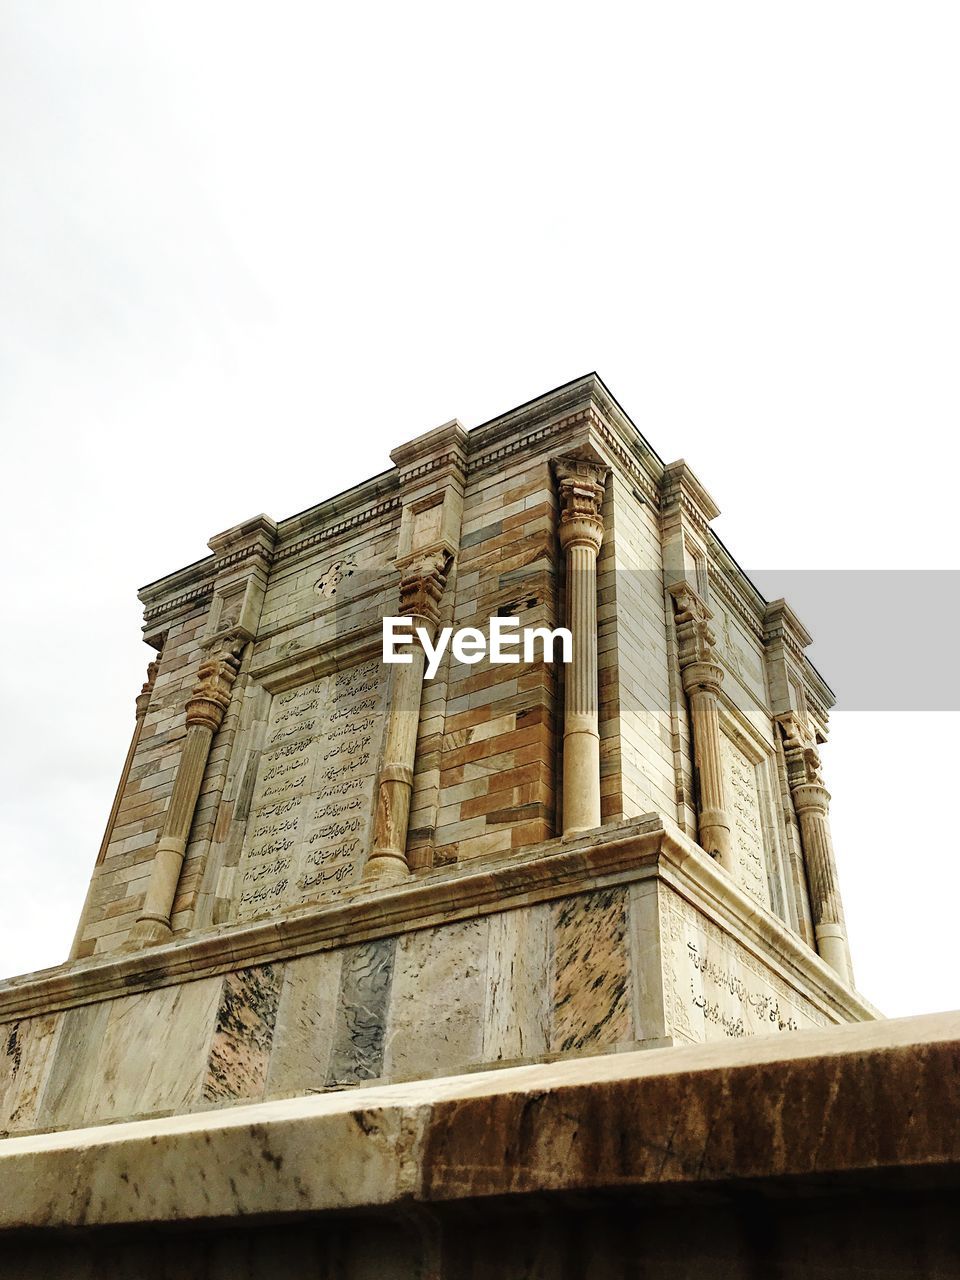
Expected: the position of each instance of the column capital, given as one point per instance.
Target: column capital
(580, 483)
(800, 751)
(210, 696)
(701, 676)
(146, 692)
(812, 797)
(696, 638)
(422, 582)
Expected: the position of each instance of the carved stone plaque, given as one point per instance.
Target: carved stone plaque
(714, 989)
(746, 822)
(308, 831)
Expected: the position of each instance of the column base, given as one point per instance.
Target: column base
(581, 782)
(385, 867)
(832, 947)
(148, 932)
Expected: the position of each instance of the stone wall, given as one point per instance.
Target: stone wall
(569, 948)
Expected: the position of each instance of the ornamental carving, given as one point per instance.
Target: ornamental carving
(328, 582)
(210, 696)
(695, 636)
(146, 692)
(800, 751)
(422, 585)
(580, 483)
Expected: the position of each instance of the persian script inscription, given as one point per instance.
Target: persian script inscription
(743, 805)
(715, 989)
(308, 827)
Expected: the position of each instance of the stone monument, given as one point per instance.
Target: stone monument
(322, 871)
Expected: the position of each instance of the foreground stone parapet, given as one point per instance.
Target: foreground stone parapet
(765, 1123)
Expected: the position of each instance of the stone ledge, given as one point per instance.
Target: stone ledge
(867, 1099)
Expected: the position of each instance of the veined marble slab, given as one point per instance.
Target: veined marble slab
(240, 1049)
(303, 1035)
(436, 1005)
(361, 1020)
(517, 1013)
(26, 1051)
(591, 976)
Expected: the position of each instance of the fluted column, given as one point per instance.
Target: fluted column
(702, 678)
(581, 485)
(811, 800)
(205, 710)
(421, 590)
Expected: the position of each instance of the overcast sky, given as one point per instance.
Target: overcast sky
(245, 250)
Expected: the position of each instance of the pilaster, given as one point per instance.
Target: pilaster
(244, 555)
(702, 676)
(432, 477)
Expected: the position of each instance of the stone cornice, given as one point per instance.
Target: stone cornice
(585, 404)
(443, 447)
(679, 486)
(780, 620)
(347, 525)
(188, 586)
(616, 853)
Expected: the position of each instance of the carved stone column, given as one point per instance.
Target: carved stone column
(702, 678)
(142, 703)
(206, 706)
(811, 800)
(581, 484)
(421, 590)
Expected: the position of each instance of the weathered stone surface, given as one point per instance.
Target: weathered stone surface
(591, 976)
(26, 1049)
(533, 956)
(877, 1099)
(437, 1000)
(320, 873)
(361, 1019)
(303, 1035)
(243, 1035)
(517, 1014)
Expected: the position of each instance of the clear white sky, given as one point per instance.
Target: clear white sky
(247, 249)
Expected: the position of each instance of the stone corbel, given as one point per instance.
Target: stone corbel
(702, 677)
(422, 584)
(581, 482)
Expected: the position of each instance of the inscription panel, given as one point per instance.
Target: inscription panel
(742, 796)
(308, 829)
(714, 989)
